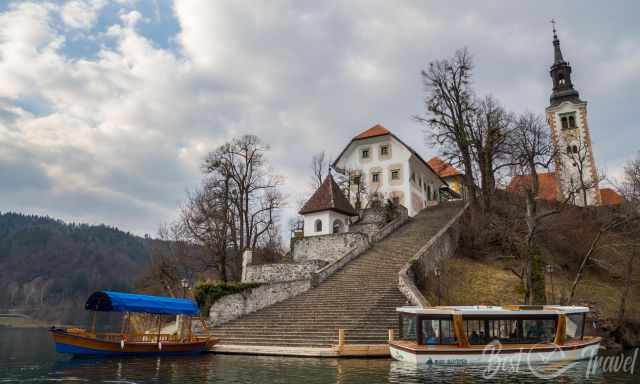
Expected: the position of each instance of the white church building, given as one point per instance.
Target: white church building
(381, 165)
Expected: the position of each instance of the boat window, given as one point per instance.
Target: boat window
(509, 330)
(574, 327)
(437, 331)
(476, 332)
(539, 330)
(408, 327)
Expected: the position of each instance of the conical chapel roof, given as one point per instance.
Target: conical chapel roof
(328, 197)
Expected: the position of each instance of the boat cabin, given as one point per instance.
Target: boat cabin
(481, 325)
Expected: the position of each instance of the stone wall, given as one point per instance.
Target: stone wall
(266, 273)
(231, 307)
(327, 248)
(418, 272)
(371, 221)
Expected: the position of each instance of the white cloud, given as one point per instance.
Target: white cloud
(81, 14)
(127, 127)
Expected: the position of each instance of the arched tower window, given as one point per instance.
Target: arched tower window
(337, 226)
(572, 122)
(565, 122)
(561, 79)
(318, 225)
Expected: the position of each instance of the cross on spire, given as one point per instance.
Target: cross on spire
(553, 23)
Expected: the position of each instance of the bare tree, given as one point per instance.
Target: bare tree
(174, 258)
(489, 133)
(631, 192)
(238, 206)
(449, 108)
(577, 156)
(353, 184)
(531, 149)
(319, 169)
(630, 188)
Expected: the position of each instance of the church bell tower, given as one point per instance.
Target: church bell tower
(576, 172)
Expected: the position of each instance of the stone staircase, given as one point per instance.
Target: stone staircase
(360, 298)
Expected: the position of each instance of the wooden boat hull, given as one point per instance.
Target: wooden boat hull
(532, 354)
(81, 345)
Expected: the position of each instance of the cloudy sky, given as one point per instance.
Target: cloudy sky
(108, 107)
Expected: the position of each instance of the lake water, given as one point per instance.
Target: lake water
(28, 356)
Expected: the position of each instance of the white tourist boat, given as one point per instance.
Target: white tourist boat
(461, 335)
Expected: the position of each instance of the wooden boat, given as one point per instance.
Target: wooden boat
(460, 335)
(79, 341)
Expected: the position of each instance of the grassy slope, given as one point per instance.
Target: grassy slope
(470, 282)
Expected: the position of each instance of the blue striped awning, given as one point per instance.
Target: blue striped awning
(132, 302)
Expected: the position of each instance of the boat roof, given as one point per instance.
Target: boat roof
(110, 301)
(495, 310)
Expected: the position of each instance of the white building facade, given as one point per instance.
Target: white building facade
(381, 166)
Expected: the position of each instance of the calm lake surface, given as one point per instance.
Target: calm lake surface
(28, 356)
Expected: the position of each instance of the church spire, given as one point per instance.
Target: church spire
(557, 53)
(561, 75)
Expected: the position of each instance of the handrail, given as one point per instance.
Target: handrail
(322, 274)
(406, 276)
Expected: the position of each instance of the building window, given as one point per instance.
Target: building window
(355, 180)
(375, 177)
(429, 191)
(395, 174)
(318, 225)
(337, 226)
(384, 150)
(365, 153)
(413, 176)
(568, 121)
(575, 149)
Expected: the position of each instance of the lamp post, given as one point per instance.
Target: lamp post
(436, 272)
(184, 283)
(549, 270)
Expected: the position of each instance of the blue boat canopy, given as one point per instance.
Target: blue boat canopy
(132, 302)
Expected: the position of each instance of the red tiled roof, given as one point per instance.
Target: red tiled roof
(610, 197)
(328, 197)
(375, 131)
(548, 185)
(443, 169)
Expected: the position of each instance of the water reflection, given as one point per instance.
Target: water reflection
(27, 360)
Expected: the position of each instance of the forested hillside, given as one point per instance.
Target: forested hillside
(48, 267)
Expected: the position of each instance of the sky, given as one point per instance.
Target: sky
(107, 108)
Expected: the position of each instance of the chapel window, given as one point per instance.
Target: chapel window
(337, 226)
(318, 225)
(565, 122)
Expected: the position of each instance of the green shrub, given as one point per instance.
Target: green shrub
(207, 293)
